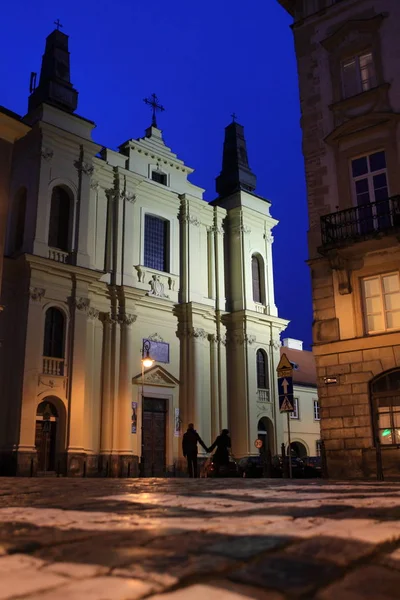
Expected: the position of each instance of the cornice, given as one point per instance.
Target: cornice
(55, 268)
(357, 124)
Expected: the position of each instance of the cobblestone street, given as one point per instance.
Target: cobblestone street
(198, 539)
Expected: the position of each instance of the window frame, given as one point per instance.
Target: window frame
(358, 82)
(71, 218)
(369, 175)
(159, 173)
(261, 352)
(380, 277)
(167, 242)
(51, 339)
(316, 409)
(295, 414)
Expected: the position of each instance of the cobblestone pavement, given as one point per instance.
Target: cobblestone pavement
(179, 539)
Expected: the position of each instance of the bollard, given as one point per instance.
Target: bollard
(324, 465)
(84, 468)
(285, 464)
(129, 469)
(58, 468)
(31, 471)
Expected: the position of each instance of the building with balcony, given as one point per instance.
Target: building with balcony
(349, 83)
(110, 254)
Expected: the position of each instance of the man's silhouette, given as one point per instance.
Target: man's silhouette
(189, 446)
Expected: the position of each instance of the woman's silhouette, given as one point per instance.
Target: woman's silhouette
(222, 445)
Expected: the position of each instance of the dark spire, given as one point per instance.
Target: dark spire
(54, 84)
(236, 173)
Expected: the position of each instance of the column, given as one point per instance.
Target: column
(106, 399)
(123, 443)
(77, 389)
(21, 419)
(199, 369)
(214, 387)
(269, 275)
(223, 394)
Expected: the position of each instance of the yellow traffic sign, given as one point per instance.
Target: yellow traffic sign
(284, 367)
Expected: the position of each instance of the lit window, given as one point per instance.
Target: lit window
(156, 243)
(386, 406)
(358, 74)
(159, 177)
(381, 296)
(316, 411)
(295, 413)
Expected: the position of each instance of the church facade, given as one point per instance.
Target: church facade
(112, 257)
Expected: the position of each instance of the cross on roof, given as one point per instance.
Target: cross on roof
(57, 24)
(153, 102)
(233, 115)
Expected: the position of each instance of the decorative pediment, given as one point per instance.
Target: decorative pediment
(375, 119)
(351, 32)
(156, 376)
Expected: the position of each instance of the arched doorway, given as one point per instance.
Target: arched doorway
(46, 435)
(265, 433)
(298, 449)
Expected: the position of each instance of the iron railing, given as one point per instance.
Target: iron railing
(360, 222)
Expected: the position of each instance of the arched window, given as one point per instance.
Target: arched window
(156, 243)
(256, 278)
(18, 225)
(385, 390)
(60, 219)
(54, 333)
(262, 370)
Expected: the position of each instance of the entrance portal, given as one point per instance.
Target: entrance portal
(154, 437)
(46, 436)
(298, 449)
(265, 431)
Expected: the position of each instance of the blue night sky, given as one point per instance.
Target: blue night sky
(204, 60)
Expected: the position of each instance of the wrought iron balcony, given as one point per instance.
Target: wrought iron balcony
(360, 222)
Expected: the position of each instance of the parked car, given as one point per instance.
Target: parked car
(312, 466)
(209, 469)
(297, 466)
(252, 466)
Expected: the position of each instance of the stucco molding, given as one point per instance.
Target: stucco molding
(47, 153)
(127, 319)
(36, 294)
(157, 287)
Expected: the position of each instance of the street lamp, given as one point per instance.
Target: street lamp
(147, 362)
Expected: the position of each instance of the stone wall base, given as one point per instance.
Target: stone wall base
(362, 463)
(25, 464)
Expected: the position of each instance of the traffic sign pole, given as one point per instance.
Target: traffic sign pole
(290, 447)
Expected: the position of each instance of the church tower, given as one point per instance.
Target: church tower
(55, 86)
(252, 322)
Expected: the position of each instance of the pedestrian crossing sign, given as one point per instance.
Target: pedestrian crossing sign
(285, 405)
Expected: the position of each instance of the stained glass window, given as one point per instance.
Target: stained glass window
(156, 243)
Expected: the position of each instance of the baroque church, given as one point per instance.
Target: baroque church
(131, 306)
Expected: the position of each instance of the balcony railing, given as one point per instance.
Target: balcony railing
(53, 366)
(262, 395)
(58, 255)
(360, 222)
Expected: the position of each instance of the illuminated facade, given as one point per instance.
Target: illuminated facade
(105, 250)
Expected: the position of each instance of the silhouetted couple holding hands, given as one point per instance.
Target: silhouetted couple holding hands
(189, 446)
